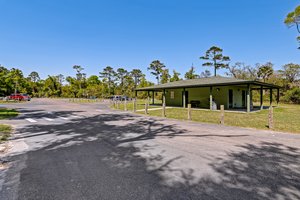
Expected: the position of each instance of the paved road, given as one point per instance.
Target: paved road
(87, 151)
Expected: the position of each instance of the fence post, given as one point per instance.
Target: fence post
(164, 110)
(134, 105)
(271, 122)
(222, 115)
(125, 105)
(146, 108)
(189, 112)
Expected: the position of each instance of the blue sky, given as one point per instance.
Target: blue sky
(52, 36)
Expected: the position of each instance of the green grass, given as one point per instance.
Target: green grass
(7, 113)
(140, 105)
(81, 100)
(11, 101)
(286, 117)
(5, 131)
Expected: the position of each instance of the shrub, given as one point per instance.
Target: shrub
(293, 96)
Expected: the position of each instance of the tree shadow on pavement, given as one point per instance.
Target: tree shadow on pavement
(97, 158)
(38, 113)
(265, 171)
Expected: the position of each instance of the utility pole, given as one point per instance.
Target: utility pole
(16, 86)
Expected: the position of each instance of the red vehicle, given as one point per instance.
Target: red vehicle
(19, 97)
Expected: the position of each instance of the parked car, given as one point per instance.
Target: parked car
(120, 98)
(116, 98)
(125, 98)
(19, 97)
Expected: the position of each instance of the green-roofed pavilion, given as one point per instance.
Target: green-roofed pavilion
(234, 94)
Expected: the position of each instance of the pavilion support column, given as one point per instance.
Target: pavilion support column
(148, 97)
(271, 96)
(248, 98)
(153, 93)
(278, 96)
(210, 99)
(261, 98)
(183, 98)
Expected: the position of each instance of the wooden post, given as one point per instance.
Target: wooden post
(146, 108)
(164, 104)
(118, 104)
(278, 96)
(183, 98)
(248, 98)
(189, 112)
(261, 98)
(210, 99)
(271, 96)
(148, 96)
(125, 105)
(222, 115)
(134, 105)
(271, 122)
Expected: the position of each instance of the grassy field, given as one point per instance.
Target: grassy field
(140, 105)
(286, 116)
(11, 101)
(5, 130)
(82, 100)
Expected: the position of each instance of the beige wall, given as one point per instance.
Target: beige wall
(237, 96)
(220, 96)
(177, 100)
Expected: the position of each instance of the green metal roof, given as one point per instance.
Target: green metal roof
(206, 82)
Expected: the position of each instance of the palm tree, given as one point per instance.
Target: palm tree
(191, 74)
(265, 71)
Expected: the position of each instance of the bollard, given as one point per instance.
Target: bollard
(189, 112)
(222, 115)
(125, 105)
(271, 122)
(146, 108)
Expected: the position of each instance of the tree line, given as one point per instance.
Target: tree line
(121, 81)
(108, 82)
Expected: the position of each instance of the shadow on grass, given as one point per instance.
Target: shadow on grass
(97, 158)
